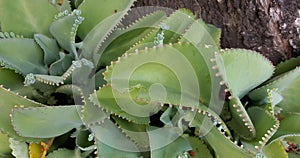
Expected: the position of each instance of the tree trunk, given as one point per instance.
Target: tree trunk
(271, 27)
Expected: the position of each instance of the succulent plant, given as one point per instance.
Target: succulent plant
(80, 79)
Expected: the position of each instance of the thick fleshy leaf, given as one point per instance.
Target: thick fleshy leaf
(215, 136)
(181, 81)
(234, 66)
(60, 66)
(120, 40)
(45, 122)
(50, 47)
(98, 35)
(110, 135)
(22, 55)
(96, 11)
(166, 142)
(241, 122)
(60, 153)
(265, 126)
(114, 102)
(136, 132)
(287, 86)
(62, 30)
(199, 148)
(9, 79)
(204, 35)
(170, 28)
(26, 17)
(19, 149)
(5, 150)
(288, 125)
(83, 141)
(287, 65)
(7, 105)
(275, 149)
(104, 150)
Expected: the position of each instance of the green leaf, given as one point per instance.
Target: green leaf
(178, 22)
(166, 142)
(198, 147)
(5, 150)
(97, 36)
(61, 153)
(287, 65)
(121, 40)
(275, 149)
(26, 17)
(104, 150)
(136, 132)
(109, 134)
(45, 122)
(83, 142)
(287, 86)
(62, 30)
(8, 102)
(265, 126)
(50, 48)
(95, 11)
(60, 66)
(9, 79)
(23, 55)
(241, 122)
(19, 149)
(114, 102)
(288, 125)
(161, 79)
(234, 66)
(221, 143)
(203, 35)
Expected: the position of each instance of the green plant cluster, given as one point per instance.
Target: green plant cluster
(76, 81)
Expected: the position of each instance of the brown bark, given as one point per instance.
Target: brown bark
(271, 27)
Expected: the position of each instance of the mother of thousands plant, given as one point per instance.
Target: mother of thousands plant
(79, 79)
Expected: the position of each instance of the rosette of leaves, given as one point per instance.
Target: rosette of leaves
(72, 78)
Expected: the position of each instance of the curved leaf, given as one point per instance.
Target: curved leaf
(45, 122)
(287, 65)
(234, 67)
(120, 40)
(287, 86)
(241, 122)
(288, 125)
(198, 147)
(5, 149)
(163, 145)
(152, 69)
(6, 106)
(113, 102)
(64, 32)
(275, 149)
(32, 16)
(50, 47)
(104, 150)
(19, 149)
(265, 126)
(95, 11)
(98, 35)
(23, 55)
(109, 136)
(60, 153)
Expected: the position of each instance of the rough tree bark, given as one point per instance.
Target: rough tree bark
(271, 27)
